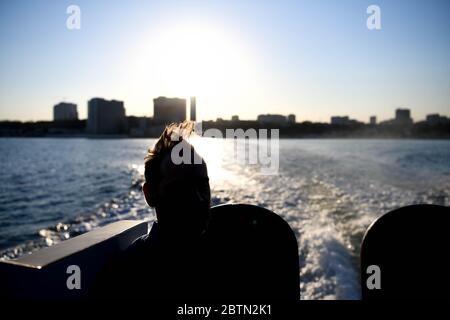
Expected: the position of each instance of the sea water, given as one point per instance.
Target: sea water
(329, 191)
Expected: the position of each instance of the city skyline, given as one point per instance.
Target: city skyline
(108, 118)
(311, 59)
(190, 112)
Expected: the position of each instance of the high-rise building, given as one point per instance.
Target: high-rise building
(193, 109)
(340, 120)
(168, 110)
(436, 118)
(276, 119)
(291, 118)
(373, 120)
(65, 111)
(106, 117)
(403, 116)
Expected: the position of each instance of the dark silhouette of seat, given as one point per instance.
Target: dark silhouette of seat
(253, 254)
(411, 247)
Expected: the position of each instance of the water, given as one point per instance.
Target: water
(329, 191)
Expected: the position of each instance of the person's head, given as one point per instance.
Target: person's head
(180, 193)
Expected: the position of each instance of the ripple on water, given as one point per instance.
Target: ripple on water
(328, 191)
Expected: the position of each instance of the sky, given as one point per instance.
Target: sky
(311, 58)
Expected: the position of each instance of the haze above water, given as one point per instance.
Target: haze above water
(329, 191)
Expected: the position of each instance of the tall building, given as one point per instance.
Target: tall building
(340, 120)
(373, 120)
(106, 117)
(193, 109)
(291, 118)
(436, 119)
(65, 111)
(168, 110)
(403, 116)
(276, 119)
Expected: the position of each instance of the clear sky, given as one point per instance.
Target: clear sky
(313, 58)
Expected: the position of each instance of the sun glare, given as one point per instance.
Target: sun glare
(193, 61)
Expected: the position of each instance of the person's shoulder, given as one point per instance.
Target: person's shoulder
(144, 242)
(139, 242)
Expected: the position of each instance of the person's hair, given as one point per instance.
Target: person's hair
(171, 136)
(190, 194)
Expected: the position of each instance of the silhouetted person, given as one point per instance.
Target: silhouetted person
(169, 262)
(193, 253)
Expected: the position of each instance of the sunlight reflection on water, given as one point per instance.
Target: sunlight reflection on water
(329, 191)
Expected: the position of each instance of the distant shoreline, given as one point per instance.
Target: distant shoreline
(424, 130)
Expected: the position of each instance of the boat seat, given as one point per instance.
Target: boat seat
(405, 254)
(255, 254)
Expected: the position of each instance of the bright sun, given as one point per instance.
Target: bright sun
(190, 60)
(198, 61)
